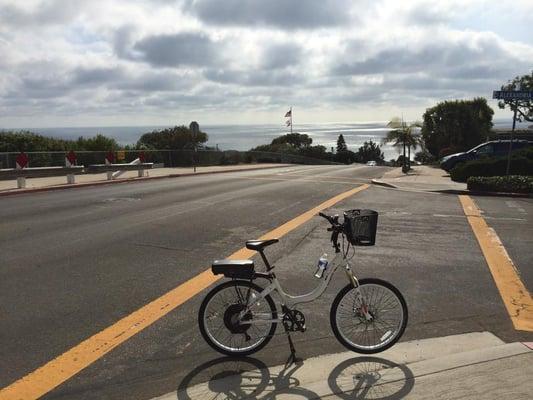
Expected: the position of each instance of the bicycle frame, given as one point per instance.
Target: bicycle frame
(287, 300)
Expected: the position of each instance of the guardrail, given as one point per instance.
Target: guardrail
(167, 158)
(111, 169)
(39, 172)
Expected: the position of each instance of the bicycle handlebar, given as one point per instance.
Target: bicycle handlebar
(335, 229)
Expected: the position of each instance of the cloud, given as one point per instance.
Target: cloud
(281, 55)
(181, 49)
(95, 76)
(44, 13)
(467, 57)
(166, 58)
(282, 78)
(284, 14)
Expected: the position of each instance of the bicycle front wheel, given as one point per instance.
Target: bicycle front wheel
(387, 308)
(223, 326)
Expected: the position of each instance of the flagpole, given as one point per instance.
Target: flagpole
(291, 119)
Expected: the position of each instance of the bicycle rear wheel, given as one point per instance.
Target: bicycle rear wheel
(385, 304)
(221, 327)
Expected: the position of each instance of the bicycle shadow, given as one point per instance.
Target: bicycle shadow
(249, 378)
(368, 377)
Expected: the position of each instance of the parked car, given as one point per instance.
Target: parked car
(494, 148)
(371, 163)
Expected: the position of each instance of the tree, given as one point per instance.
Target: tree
(523, 108)
(456, 125)
(370, 151)
(403, 135)
(295, 139)
(346, 157)
(176, 138)
(341, 144)
(97, 143)
(424, 157)
(28, 141)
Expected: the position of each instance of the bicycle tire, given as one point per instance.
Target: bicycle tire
(364, 285)
(209, 337)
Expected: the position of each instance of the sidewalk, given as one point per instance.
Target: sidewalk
(421, 177)
(474, 365)
(59, 182)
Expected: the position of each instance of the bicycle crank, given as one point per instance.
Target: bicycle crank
(294, 320)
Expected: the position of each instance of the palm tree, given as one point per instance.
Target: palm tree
(403, 135)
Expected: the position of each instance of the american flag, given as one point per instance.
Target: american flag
(289, 114)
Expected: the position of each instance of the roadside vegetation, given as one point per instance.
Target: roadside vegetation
(504, 184)
(521, 164)
(302, 145)
(15, 141)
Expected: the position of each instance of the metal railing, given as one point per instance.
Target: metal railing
(166, 158)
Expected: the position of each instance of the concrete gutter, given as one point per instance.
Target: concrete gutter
(431, 180)
(378, 182)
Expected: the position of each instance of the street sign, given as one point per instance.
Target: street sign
(70, 159)
(121, 155)
(512, 94)
(21, 161)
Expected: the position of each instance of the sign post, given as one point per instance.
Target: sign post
(142, 160)
(515, 95)
(70, 161)
(21, 162)
(110, 159)
(195, 129)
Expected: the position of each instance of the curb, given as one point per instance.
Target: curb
(459, 191)
(385, 184)
(12, 192)
(481, 193)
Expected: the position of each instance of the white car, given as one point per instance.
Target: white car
(371, 163)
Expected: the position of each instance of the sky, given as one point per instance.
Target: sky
(163, 62)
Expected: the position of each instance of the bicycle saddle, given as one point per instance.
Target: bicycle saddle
(259, 245)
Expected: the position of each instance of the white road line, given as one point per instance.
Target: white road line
(516, 206)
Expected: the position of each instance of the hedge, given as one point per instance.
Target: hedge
(506, 184)
(521, 164)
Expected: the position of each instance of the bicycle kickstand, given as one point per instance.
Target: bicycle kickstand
(291, 344)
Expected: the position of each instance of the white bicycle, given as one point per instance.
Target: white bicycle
(239, 317)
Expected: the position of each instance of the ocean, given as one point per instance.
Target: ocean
(245, 137)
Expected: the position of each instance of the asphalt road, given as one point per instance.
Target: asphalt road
(76, 261)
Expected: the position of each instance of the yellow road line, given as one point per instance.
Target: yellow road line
(58, 370)
(514, 294)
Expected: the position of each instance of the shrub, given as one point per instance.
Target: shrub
(521, 164)
(507, 184)
(424, 157)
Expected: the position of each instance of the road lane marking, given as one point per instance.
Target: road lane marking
(515, 296)
(353, 182)
(55, 372)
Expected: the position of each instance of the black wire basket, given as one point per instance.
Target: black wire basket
(360, 227)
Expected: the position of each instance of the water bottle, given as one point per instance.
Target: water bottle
(322, 265)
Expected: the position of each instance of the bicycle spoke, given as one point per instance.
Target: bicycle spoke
(384, 308)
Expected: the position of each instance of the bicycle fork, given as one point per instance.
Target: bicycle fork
(358, 295)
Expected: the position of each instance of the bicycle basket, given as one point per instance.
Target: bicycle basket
(360, 227)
